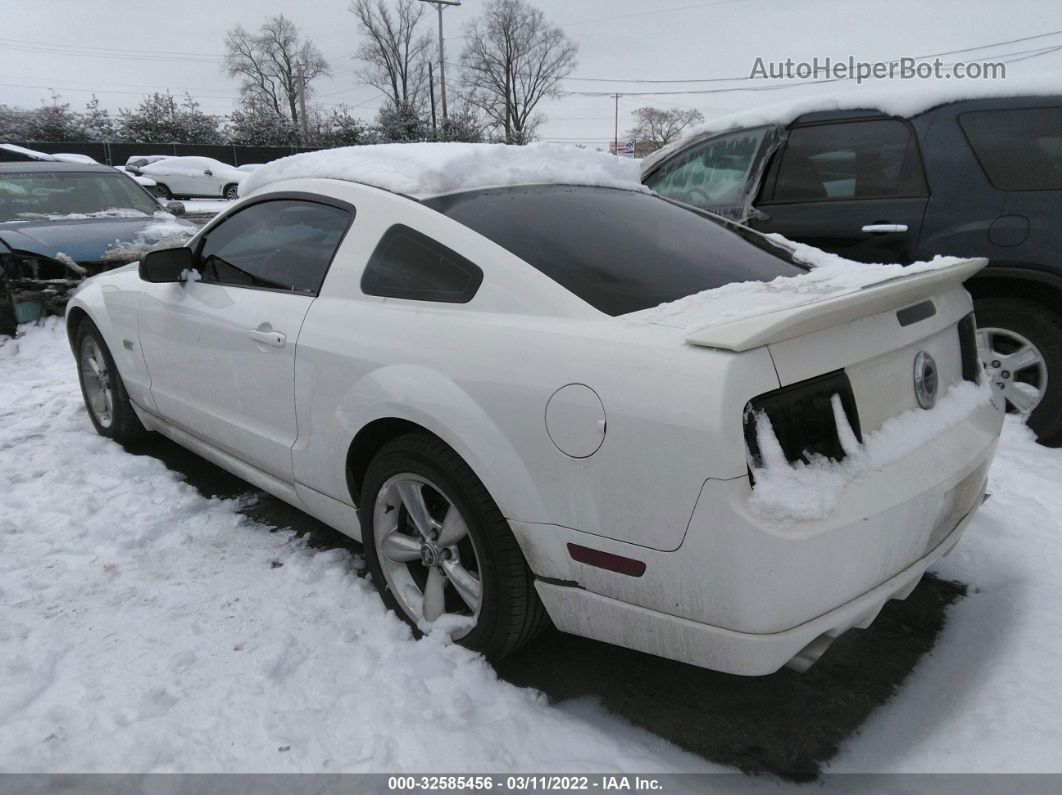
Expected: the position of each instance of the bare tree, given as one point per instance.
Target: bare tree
(513, 59)
(657, 127)
(277, 65)
(394, 55)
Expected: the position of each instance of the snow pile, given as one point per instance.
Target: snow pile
(190, 165)
(789, 493)
(829, 276)
(31, 153)
(895, 99)
(145, 628)
(431, 169)
(166, 232)
(113, 212)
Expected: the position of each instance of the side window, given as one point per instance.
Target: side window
(713, 173)
(850, 160)
(408, 264)
(1019, 149)
(280, 244)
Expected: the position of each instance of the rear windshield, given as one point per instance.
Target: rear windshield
(620, 251)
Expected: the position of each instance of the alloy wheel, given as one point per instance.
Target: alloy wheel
(96, 381)
(1014, 365)
(426, 552)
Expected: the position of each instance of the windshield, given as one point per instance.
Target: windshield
(619, 250)
(36, 195)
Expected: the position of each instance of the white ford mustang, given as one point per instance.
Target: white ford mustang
(534, 389)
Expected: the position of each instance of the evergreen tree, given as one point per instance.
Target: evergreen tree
(54, 121)
(254, 122)
(97, 122)
(401, 124)
(160, 119)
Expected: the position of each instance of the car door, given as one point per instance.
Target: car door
(211, 179)
(175, 176)
(220, 350)
(855, 188)
(717, 174)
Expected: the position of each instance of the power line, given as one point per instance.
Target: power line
(648, 13)
(1035, 54)
(746, 77)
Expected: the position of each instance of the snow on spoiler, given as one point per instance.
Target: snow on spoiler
(834, 310)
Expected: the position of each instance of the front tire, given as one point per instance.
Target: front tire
(439, 549)
(1021, 346)
(162, 192)
(105, 397)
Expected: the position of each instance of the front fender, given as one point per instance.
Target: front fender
(329, 420)
(111, 300)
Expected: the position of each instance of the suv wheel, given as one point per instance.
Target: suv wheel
(1021, 347)
(440, 551)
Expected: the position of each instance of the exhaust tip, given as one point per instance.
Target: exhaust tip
(809, 655)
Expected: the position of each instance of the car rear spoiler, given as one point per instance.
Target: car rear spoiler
(898, 292)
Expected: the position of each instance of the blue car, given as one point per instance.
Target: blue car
(61, 222)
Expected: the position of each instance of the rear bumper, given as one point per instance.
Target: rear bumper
(592, 615)
(745, 596)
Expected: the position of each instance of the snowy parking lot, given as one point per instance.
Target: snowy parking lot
(148, 627)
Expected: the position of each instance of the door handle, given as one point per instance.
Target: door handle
(883, 228)
(277, 339)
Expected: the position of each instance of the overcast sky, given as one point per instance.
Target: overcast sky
(121, 49)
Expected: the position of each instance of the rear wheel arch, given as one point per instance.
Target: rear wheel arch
(368, 442)
(1040, 287)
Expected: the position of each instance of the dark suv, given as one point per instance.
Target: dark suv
(978, 177)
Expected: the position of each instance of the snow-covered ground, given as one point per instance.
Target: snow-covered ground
(144, 627)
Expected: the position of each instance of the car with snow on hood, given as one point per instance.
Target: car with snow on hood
(66, 221)
(535, 390)
(902, 176)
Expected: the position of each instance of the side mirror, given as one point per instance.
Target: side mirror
(166, 265)
(209, 173)
(175, 208)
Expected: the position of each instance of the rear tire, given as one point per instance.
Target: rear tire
(508, 612)
(1020, 322)
(105, 397)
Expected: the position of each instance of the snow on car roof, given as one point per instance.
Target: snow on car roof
(432, 169)
(905, 100)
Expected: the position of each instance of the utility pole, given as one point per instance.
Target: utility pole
(302, 101)
(431, 94)
(615, 141)
(439, 5)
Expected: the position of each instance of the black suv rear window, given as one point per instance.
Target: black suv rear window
(1019, 149)
(620, 251)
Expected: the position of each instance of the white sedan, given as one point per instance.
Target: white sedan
(194, 177)
(572, 402)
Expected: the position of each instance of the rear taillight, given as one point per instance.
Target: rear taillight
(803, 419)
(971, 360)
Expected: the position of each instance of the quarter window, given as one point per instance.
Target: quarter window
(853, 160)
(712, 174)
(1018, 149)
(408, 264)
(280, 244)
